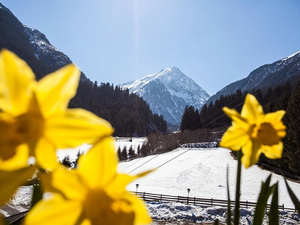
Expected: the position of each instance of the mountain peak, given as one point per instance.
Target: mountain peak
(168, 92)
(5, 9)
(291, 56)
(268, 75)
(172, 69)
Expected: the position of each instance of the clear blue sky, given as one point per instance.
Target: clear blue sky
(213, 42)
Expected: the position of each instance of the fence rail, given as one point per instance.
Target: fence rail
(204, 202)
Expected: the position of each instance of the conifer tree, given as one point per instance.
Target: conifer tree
(124, 154)
(291, 154)
(131, 153)
(67, 161)
(119, 153)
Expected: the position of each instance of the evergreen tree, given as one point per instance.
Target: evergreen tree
(79, 154)
(67, 161)
(119, 153)
(139, 150)
(124, 154)
(131, 153)
(291, 153)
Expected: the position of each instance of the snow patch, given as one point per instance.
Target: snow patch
(196, 214)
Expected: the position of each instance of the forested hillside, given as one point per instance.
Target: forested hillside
(283, 97)
(129, 114)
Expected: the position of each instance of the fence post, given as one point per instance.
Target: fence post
(144, 196)
(282, 206)
(194, 200)
(161, 198)
(178, 198)
(212, 201)
(246, 204)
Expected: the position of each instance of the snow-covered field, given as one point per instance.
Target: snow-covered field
(180, 212)
(119, 142)
(203, 170)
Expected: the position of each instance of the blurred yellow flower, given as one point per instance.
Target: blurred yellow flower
(254, 132)
(11, 180)
(34, 119)
(92, 194)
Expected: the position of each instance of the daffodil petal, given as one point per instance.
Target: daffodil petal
(55, 90)
(86, 222)
(54, 211)
(64, 182)
(120, 181)
(237, 118)
(252, 110)
(2, 222)
(273, 151)
(275, 119)
(99, 166)
(118, 184)
(16, 83)
(76, 127)
(251, 152)
(18, 161)
(45, 154)
(139, 208)
(234, 138)
(274, 116)
(11, 180)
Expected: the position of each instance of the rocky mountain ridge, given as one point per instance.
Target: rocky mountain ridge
(279, 72)
(168, 92)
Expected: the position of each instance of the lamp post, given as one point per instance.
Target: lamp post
(188, 191)
(137, 186)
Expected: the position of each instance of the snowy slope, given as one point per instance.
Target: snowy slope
(204, 172)
(168, 92)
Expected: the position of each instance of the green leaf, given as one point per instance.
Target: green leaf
(37, 195)
(293, 197)
(262, 201)
(274, 215)
(238, 190)
(228, 220)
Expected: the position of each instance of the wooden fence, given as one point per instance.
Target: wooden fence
(203, 202)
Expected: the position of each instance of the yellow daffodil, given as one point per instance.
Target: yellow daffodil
(254, 132)
(2, 222)
(92, 194)
(35, 120)
(11, 180)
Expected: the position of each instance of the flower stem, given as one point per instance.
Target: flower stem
(238, 190)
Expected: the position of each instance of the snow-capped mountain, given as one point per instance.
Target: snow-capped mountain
(168, 92)
(47, 53)
(31, 45)
(279, 72)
